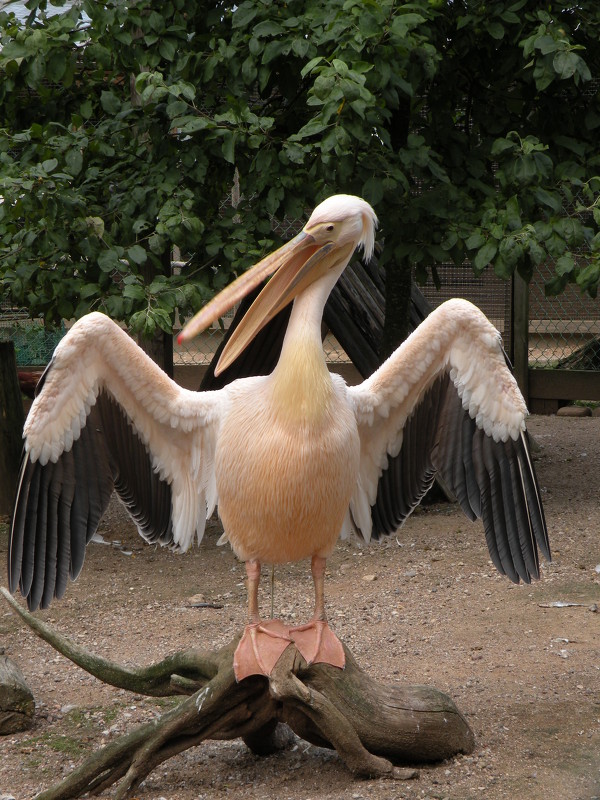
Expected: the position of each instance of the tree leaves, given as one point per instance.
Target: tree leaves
(137, 254)
(110, 102)
(206, 125)
(485, 255)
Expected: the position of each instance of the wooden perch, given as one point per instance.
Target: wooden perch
(372, 726)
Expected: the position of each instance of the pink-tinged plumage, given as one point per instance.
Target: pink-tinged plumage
(293, 459)
(285, 480)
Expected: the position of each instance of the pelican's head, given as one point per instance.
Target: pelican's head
(336, 227)
(344, 219)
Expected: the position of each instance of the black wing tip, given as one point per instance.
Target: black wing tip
(32, 605)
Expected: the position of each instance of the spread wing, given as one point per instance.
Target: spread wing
(106, 417)
(445, 402)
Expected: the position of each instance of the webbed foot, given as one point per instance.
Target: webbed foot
(260, 648)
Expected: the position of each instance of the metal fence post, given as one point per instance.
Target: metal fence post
(520, 337)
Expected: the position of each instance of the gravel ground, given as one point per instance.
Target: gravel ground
(426, 607)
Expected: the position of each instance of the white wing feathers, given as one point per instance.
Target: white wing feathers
(100, 380)
(457, 339)
(177, 426)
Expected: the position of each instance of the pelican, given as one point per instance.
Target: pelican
(294, 459)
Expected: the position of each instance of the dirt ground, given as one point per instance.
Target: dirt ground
(426, 607)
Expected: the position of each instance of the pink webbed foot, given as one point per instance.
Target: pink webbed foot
(260, 648)
(317, 643)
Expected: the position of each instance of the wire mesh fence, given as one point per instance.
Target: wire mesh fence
(202, 349)
(488, 292)
(34, 343)
(564, 331)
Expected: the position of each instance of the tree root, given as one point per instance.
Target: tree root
(372, 726)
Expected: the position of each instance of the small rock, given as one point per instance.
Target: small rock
(17, 705)
(574, 411)
(410, 573)
(369, 577)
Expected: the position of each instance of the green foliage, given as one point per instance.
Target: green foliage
(472, 127)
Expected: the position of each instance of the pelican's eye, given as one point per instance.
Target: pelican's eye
(330, 227)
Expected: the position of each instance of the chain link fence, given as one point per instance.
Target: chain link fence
(488, 292)
(564, 331)
(34, 344)
(201, 350)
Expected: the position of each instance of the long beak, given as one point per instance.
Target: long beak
(294, 267)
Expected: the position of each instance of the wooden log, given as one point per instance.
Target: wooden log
(11, 426)
(17, 706)
(374, 727)
(405, 724)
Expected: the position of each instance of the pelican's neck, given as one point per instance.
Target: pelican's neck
(302, 384)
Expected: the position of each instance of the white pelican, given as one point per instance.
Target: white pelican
(294, 459)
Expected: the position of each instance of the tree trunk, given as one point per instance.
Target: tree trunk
(160, 350)
(372, 726)
(11, 426)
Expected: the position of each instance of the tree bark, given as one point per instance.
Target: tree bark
(11, 426)
(160, 350)
(373, 727)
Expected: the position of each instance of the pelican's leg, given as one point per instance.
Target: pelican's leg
(253, 574)
(262, 643)
(315, 640)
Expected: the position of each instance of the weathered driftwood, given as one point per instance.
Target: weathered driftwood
(17, 705)
(372, 726)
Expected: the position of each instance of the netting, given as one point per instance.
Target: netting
(564, 331)
(34, 343)
(201, 350)
(488, 292)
